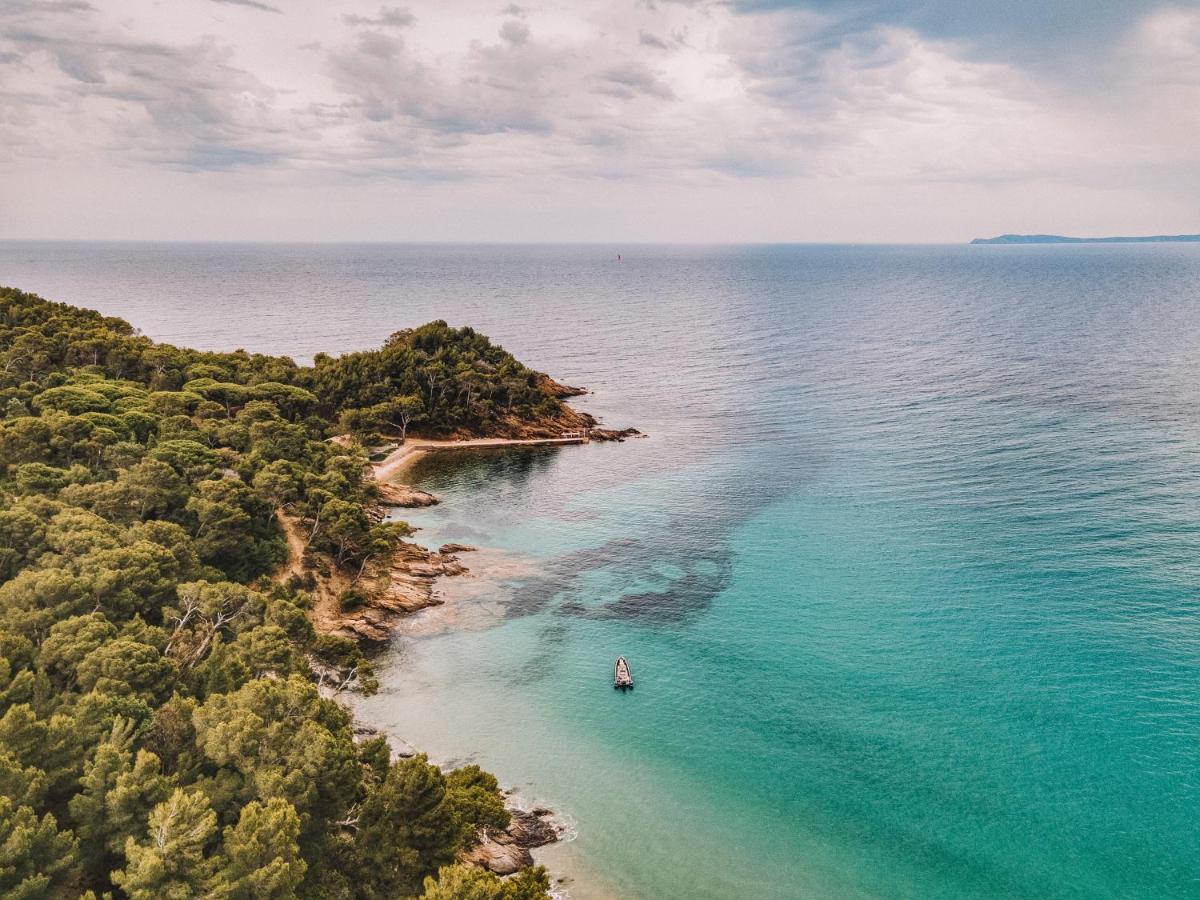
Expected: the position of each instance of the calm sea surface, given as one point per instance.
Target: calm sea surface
(908, 572)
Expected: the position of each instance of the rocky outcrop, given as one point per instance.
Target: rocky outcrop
(498, 854)
(403, 585)
(534, 828)
(392, 494)
(507, 852)
(605, 434)
(561, 391)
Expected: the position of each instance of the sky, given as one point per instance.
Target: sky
(616, 121)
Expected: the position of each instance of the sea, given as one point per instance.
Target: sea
(907, 569)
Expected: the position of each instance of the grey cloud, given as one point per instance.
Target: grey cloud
(80, 63)
(514, 32)
(689, 4)
(387, 17)
(821, 90)
(506, 88)
(518, 85)
(184, 105)
(24, 7)
(253, 4)
(649, 40)
(635, 78)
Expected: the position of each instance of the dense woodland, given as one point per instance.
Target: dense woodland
(163, 733)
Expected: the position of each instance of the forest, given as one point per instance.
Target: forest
(166, 729)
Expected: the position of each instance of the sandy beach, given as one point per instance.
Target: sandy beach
(413, 449)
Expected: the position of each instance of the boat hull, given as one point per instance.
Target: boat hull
(622, 679)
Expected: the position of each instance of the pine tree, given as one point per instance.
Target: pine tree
(36, 859)
(260, 858)
(170, 863)
(406, 829)
(463, 883)
(460, 882)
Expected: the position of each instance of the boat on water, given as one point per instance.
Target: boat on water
(621, 677)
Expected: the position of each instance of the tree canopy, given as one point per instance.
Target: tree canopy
(162, 730)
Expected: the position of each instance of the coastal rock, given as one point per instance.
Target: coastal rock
(530, 829)
(431, 569)
(403, 495)
(605, 434)
(561, 391)
(363, 631)
(498, 855)
(446, 549)
(389, 588)
(507, 851)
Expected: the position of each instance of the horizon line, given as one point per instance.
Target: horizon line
(487, 243)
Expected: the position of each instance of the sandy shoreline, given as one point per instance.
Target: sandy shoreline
(413, 449)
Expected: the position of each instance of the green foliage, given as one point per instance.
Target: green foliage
(163, 728)
(125, 667)
(406, 829)
(435, 377)
(464, 883)
(352, 598)
(36, 859)
(280, 738)
(170, 860)
(260, 858)
(118, 791)
(39, 478)
(72, 399)
(473, 796)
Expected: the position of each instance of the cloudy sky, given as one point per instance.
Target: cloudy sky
(597, 120)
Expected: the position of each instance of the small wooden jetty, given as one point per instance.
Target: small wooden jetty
(621, 677)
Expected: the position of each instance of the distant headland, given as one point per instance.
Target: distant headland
(1059, 239)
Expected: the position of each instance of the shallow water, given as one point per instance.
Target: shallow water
(908, 572)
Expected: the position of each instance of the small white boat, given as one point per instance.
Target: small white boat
(621, 677)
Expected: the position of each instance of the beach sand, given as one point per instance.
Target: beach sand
(400, 459)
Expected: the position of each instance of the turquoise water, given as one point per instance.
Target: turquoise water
(908, 571)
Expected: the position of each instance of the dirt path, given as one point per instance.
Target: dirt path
(296, 546)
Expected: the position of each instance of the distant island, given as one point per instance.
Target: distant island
(1060, 239)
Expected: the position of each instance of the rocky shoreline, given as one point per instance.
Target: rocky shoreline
(501, 852)
(408, 587)
(394, 589)
(404, 496)
(385, 592)
(507, 852)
